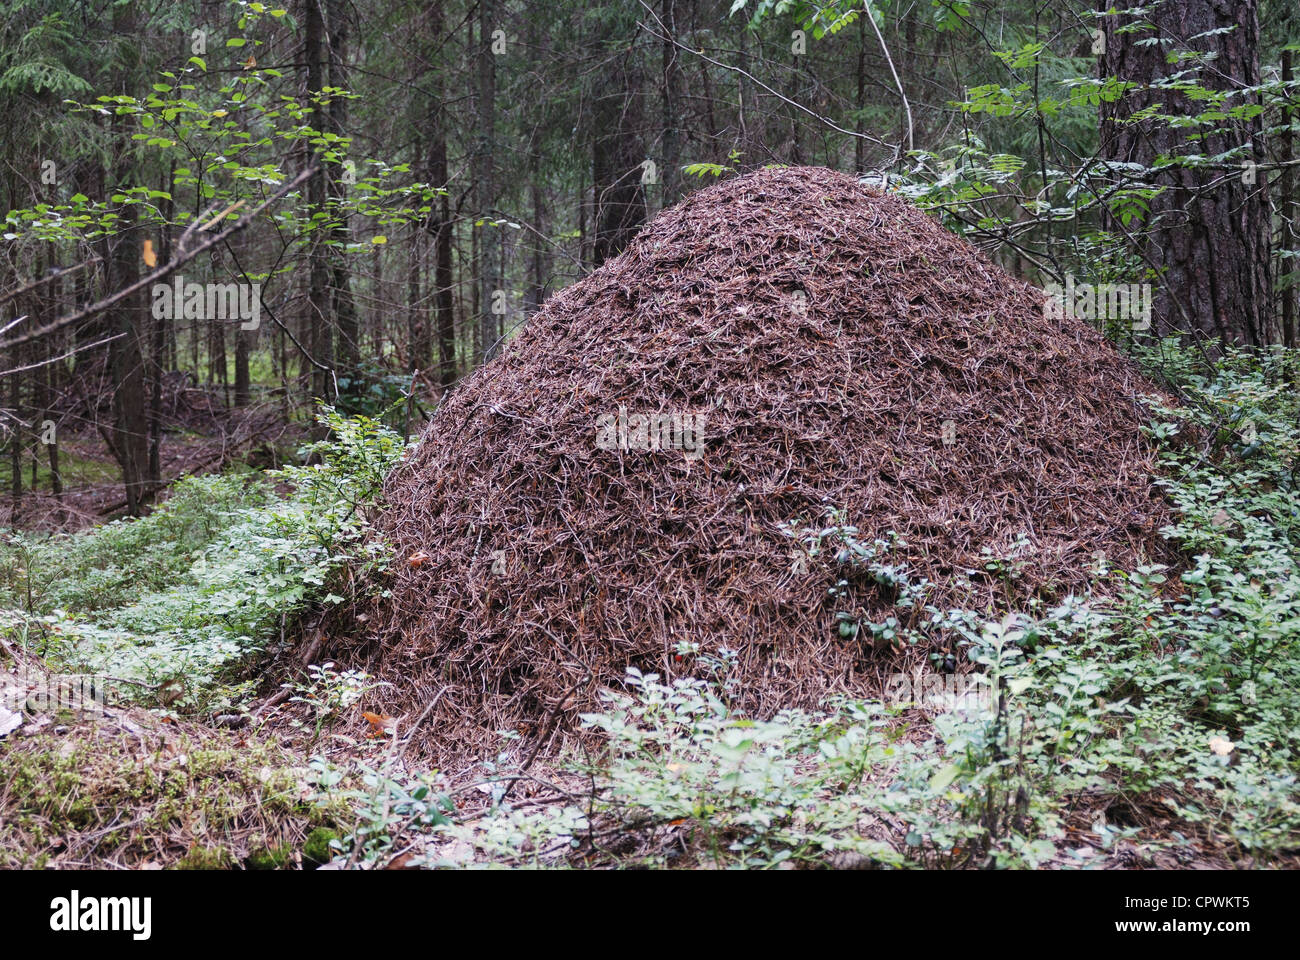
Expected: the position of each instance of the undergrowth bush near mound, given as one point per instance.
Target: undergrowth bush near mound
(173, 602)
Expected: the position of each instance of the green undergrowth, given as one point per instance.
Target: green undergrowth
(171, 603)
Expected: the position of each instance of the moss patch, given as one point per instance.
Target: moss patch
(128, 790)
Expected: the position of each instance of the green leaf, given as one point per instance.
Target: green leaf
(940, 780)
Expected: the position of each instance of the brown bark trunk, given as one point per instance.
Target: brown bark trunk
(443, 278)
(616, 161)
(671, 173)
(1207, 233)
(489, 330)
(159, 335)
(1287, 203)
(318, 318)
(345, 311)
(126, 365)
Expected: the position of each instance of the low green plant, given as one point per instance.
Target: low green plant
(329, 693)
(179, 598)
(386, 805)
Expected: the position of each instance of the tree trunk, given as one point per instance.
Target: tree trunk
(745, 112)
(1207, 233)
(616, 161)
(126, 365)
(418, 346)
(243, 386)
(671, 173)
(1287, 204)
(443, 279)
(345, 311)
(158, 347)
(489, 332)
(318, 318)
(15, 439)
(537, 258)
(859, 144)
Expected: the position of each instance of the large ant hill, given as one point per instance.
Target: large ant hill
(778, 350)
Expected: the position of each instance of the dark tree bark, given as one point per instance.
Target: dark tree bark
(419, 343)
(344, 306)
(672, 107)
(128, 439)
(1207, 233)
(617, 153)
(50, 387)
(489, 330)
(538, 254)
(17, 359)
(318, 319)
(444, 305)
(745, 103)
(47, 383)
(439, 225)
(159, 335)
(126, 364)
(218, 371)
(537, 257)
(860, 101)
(1287, 202)
(243, 382)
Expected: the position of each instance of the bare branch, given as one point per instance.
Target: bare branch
(163, 271)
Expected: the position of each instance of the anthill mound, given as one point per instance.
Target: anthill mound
(834, 348)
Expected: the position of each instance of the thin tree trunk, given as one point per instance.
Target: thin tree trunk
(483, 176)
(671, 103)
(443, 277)
(126, 365)
(1287, 203)
(243, 386)
(418, 346)
(616, 161)
(536, 291)
(318, 317)
(860, 145)
(159, 331)
(16, 438)
(345, 311)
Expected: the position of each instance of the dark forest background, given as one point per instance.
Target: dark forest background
(415, 179)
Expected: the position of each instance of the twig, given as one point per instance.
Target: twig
(866, 12)
(164, 271)
(406, 743)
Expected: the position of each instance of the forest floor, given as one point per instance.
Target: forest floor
(201, 436)
(1148, 721)
(125, 788)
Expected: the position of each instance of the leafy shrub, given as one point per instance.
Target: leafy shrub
(217, 572)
